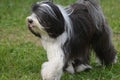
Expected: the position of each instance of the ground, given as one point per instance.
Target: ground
(21, 53)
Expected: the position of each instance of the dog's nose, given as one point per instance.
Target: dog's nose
(30, 20)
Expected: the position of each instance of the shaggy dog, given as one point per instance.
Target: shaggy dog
(68, 34)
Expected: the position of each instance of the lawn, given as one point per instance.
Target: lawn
(21, 54)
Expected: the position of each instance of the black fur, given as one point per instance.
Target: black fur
(53, 26)
(89, 34)
(89, 30)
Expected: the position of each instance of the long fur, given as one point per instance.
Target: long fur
(69, 33)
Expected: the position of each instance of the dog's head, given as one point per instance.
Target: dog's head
(46, 19)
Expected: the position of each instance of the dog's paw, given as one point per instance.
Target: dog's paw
(47, 74)
(82, 67)
(50, 72)
(70, 69)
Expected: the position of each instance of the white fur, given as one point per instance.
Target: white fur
(52, 70)
(115, 60)
(82, 67)
(98, 61)
(68, 23)
(35, 25)
(49, 10)
(53, 46)
(70, 68)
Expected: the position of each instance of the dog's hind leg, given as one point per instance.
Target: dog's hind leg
(70, 68)
(103, 47)
(80, 66)
(77, 66)
(81, 63)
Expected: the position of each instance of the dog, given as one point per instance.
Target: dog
(68, 34)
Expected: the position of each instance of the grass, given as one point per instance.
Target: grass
(21, 54)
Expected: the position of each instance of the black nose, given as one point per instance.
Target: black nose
(30, 20)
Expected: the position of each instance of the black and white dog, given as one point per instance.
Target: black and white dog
(68, 34)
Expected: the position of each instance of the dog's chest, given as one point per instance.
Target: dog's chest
(52, 48)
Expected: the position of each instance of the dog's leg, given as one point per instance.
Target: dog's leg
(81, 66)
(81, 63)
(70, 67)
(77, 66)
(52, 70)
(102, 44)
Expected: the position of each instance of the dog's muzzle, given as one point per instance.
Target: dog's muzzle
(29, 21)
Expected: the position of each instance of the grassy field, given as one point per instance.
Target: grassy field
(21, 54)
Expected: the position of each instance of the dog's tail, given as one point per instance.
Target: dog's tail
(95, 11)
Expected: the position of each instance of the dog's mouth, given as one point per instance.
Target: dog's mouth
(30, 25)
(31, 28)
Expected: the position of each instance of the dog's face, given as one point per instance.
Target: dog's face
(46, 19)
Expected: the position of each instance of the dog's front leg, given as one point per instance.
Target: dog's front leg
(52, 70)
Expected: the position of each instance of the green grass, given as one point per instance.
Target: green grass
(21, 54)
